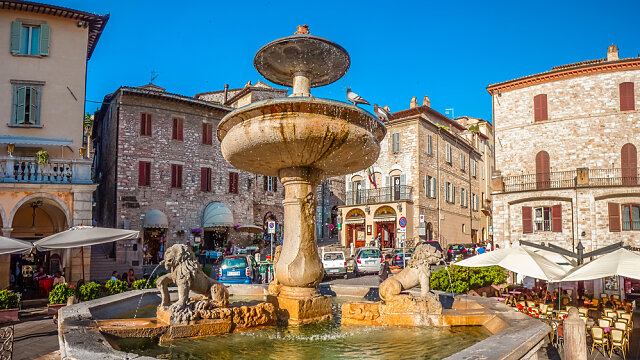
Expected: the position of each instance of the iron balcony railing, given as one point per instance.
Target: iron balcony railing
(379, 195)
(572, 178)
(57, 171)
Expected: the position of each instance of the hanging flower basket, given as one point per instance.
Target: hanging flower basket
(43, 157)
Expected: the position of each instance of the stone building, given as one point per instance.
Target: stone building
(428, 173)
(161, 170)
(45, 50)
(566, 155)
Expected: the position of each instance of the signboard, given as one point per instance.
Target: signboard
(401, 230)
(421, 218)
(271, 227)
(402, 222)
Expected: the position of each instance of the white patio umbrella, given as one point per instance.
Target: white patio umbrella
(621, 262)
(518, 259)
(13, 246)
(80, 236)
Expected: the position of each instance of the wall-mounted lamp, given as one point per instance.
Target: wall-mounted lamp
(10, 148)
(82, 151)
(367, 209)
(399, 207)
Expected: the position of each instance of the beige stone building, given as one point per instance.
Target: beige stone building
(45, 50)
(566, 155)
(428, 173)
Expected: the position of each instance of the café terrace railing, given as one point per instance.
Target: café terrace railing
(568, 179)
(58, 171)
(379, 195)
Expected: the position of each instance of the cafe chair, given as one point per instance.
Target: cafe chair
(598, 339)
(549, 311)
(531, 304)
(624, 327)
(584, 311)
(616, 297)
(603, 296)
(627, 317)
(618, 341)
(543, 310)
(603, 323)
(619, 313)
(610, 313)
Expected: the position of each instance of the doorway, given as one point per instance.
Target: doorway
(396, 187)
(387, 231)
(356, 235)
(153, 246)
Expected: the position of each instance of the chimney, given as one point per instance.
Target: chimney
(426, 101)
(226, 92)
(414, 103)
(612, 53)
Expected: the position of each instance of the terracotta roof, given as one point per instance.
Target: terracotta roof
(96, 22)
(428, 111)
(168, 96)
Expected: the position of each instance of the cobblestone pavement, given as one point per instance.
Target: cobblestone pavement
(35, 337)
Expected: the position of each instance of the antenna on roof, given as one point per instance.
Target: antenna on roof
(154, 75)
(449, 112)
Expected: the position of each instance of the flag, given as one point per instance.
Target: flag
(372, 179)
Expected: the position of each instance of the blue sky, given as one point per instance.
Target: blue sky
(449, 50)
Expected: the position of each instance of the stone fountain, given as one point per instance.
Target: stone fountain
(301, 140)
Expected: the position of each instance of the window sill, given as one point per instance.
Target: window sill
(29, 55)
(25, 125)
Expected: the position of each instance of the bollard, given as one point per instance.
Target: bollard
(575, 337)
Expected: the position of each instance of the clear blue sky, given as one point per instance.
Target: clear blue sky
(449, 50)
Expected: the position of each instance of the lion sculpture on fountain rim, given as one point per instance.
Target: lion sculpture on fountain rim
(416, 273)
(185, 271)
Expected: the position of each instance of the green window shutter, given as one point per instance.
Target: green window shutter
(34, 111)
(21, 95)
(44, 39)
(16, 27)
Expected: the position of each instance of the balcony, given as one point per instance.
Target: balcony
(26, 170)
(582, 177)
(379, 195)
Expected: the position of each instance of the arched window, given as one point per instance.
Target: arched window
(629, 160)
(543, 174)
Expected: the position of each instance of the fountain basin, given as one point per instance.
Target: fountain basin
(332, 136)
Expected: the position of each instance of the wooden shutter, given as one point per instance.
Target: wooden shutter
(627, 98)
(207, 134)
(204, 181)
(236, 181)
(556, 218)
(527, 219)
(629, 162)
(180, 129)
(174, 129)
(265, 182)
(173, 175)
(148, 127)
(543, 175)
(179, 180)
(540, 107)
(614, 217)
(44, 39)
(231, 179)
(275, 183)
(21, 106)
(141, 174)
(16, 28)
(143, 124)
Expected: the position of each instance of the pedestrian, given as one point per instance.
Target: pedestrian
(130, 277)
(385, 271)
(114, 275)
(377, 242)
(479, 249)
(59, 279)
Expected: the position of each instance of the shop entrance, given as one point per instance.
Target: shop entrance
(153, 248)
(356, 235)
(387, 232)
(214, 239)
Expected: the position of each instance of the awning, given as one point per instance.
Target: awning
(354, 221)
(27, 140)
(384, 218)
(155, 219)
(84, 236)
(217, 214)
(253, 229)
(14, 246)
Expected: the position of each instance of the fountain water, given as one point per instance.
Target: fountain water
(135, 314)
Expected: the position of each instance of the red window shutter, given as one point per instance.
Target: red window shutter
(204, 133)
(203, 179)
(148, 127)
(275, 184)
(143, 124)
(614, 217)
(148, 173)
(179, 182)
(173, 176)
(543, 173)
(627, 98)
(142, 180)
(266, 182)
(209, 134)
(629, 162)
(180, 128)
(527, 219)
(556, 218)
(231, 182)
(235, 182)
(540, 107)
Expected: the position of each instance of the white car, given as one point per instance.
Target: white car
(334, 263)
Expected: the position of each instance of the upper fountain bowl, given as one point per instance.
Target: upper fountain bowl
(319, 59)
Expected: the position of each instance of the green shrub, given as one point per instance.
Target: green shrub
(140, 284)
(207, 270)
(464, 279)
(60, 294)
(116, 287)
(8, 300)
(90, 291)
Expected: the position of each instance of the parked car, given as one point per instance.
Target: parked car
(436, 245)
(398, 256)
(334, 264)
(368, 260)
(456, 252)
(236, 269)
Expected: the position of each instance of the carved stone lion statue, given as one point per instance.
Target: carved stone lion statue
(185, 271)
(416, 273)
(274, 285)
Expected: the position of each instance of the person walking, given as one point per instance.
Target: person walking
(385, 271)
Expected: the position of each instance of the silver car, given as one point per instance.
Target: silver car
(368, 260)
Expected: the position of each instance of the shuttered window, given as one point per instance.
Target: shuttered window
(144, 173)
(30, 39)
(614, 217)
(233, 182)
(540, 107)
(543, 173)
(630, 214)
(205, 179)
(448, 153)
(629, 162)
(474, 168)
(429, 144)
(176, 130)
(463, 160)
(395, 146)
(207, 134)
(26, 105)
(527, 221)
(556, 218)
(270, 183)
(145, 124)
(176, 176)
(627, 98)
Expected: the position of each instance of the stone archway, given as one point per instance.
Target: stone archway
(50, 198)
(37, 217)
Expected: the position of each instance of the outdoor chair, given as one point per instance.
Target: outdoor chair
(543, 310)
(619, 313)
(627, 317)
(618, 341)
(549, 311)
(624, 327)
(616, 297)
(603, 296)
(598, 339)
(610, 313)
(584, 311)
(531, 304)
(603, 323)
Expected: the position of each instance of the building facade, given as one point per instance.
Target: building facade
(45, 176)
(161, 170)
(566, 155)
(427, 178)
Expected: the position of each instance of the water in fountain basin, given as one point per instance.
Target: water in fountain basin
(135, 314)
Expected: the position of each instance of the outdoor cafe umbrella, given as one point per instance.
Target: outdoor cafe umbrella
(621, 262)
(80, 236)
(520, 260)
(11, 246)
(252, 229)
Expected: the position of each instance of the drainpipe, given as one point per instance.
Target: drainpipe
(438, 184)
(469, 195)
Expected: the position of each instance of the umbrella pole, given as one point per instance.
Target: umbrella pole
(82, 256)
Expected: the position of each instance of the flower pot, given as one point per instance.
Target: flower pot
(8, 315)
(52, 309)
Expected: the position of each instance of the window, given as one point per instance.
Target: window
(26, 104)
(482, 172)
(144, 173)
(395, 146)
(474, 202)
(464, 228)
(207, 134)
(447, 191)
(430, 186)
(145, 124)
(542, 219)
(429, 144)
(545, 218)
(233, 182)
(176, 130)
(463, 160)
(630, 217)
(629, 162)
(176, 176)
(474, 168)
(482, 146)
(540, 107)
(29, 39)
(448, 153)
(464, 201)
(270, 183)
(205, 179)
(543, 173)
(627, 98)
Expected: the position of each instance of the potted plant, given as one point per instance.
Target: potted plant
(58, 298)
(116, 287)
(43, 157)
(8, 306)
(90, 291)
